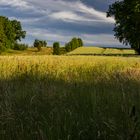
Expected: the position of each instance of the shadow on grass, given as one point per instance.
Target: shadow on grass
(45, 108)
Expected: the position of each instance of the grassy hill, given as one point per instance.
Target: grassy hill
(101, 51)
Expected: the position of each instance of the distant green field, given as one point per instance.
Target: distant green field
(101, 51)
(29, 51)
(78, 51)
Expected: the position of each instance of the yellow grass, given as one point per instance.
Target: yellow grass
(57, 65)
(100, 51)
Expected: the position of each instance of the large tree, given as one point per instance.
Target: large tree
(127, 26)
(10, 32)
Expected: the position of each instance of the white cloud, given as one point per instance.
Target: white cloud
(67, 11)
(95, 13)
(16, 3)
(68, 16)
(28, 21)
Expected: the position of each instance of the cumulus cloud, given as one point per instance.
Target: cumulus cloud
(16, 3)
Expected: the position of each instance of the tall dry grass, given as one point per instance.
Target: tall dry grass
(69, 98)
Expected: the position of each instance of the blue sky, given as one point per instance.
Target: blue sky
(60, 20)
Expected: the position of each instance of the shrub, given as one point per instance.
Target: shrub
(37, 44)
(73, 44)
(56, 48)
(20, 47)
(68, 47)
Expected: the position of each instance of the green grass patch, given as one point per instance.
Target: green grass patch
(101, 51)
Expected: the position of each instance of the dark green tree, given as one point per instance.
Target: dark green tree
(10, 32)
(38, 44)
(44, 43)
(80, 41)
(56, 48)
(18, 32)
(73, 44)
(68, 47)
(127, 26)
(20, 46)
(2, 38)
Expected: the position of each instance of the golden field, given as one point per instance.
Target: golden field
(69, 97)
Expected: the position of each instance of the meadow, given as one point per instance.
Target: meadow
(102, 51)
(69, 98)
(79, 51)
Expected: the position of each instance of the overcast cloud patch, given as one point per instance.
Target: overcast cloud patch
(62, 19)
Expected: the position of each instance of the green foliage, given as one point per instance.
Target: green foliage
(68, 47)
(20, 47)
(10, 33)
(39, 44)
(18, 33)
(80, 41)
(127, 27)
(73, 44)
(2, 38)
(44, 43)
(56, 48)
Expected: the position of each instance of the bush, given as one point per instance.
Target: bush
(20, 47)
(37, 44)
(56, 48)
(68, 47)
(73, 44)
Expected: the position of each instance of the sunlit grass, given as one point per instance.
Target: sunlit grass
(101, 51)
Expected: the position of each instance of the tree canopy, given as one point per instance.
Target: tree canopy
(56, 48)
(127, 26)
(10, 32)
(73, 44)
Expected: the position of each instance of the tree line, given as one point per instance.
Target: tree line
(11, 33)
(57, 50)
(70, 46)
